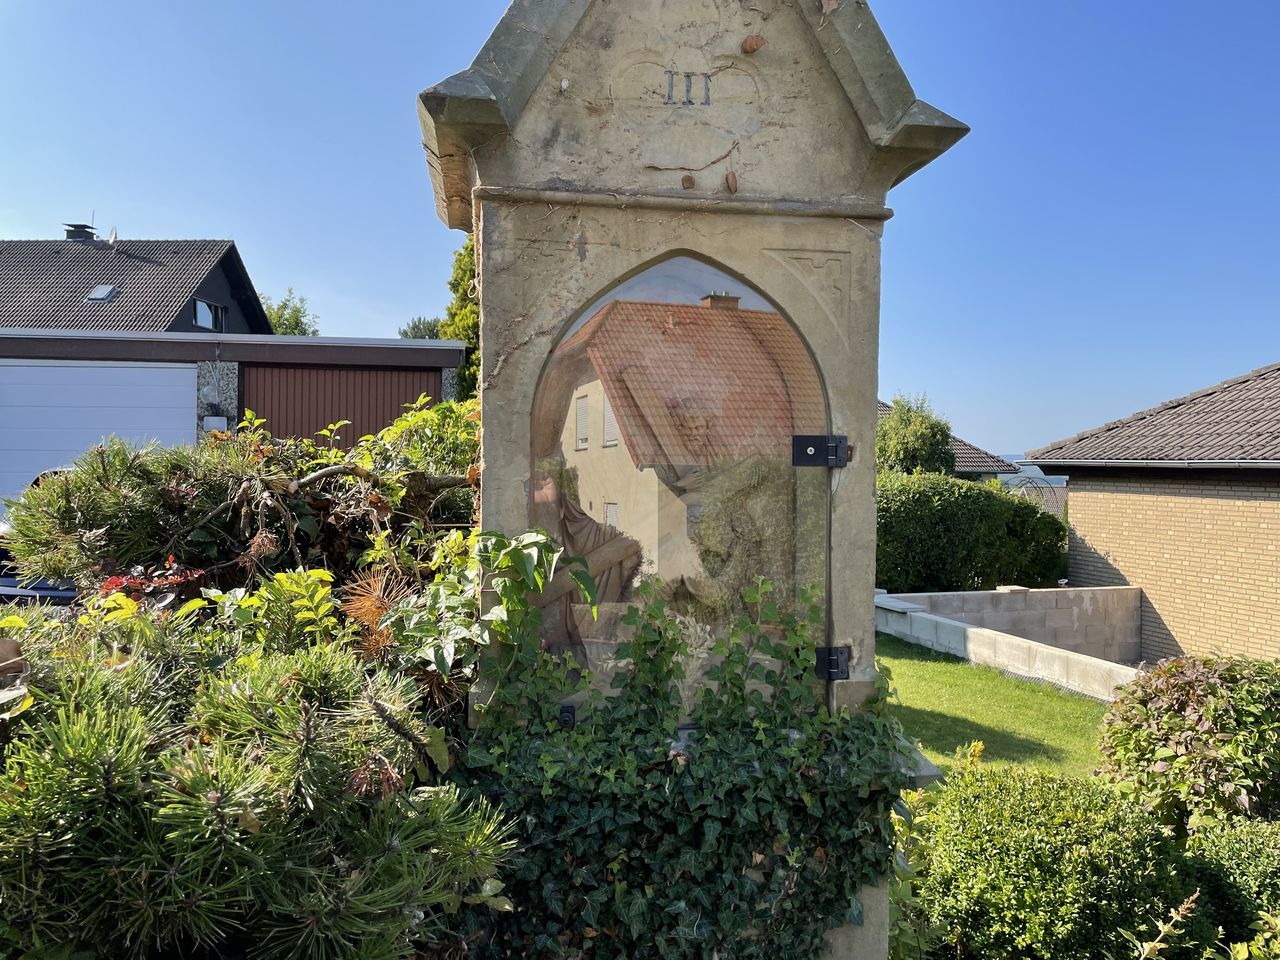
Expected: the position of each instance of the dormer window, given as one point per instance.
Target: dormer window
(103, 293)
(210, 316)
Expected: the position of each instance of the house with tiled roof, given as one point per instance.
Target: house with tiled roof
(142, 286)
(160, 341)
(660, 414)
(972, 462)
(1183, 500)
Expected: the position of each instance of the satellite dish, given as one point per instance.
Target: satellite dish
(112, 238)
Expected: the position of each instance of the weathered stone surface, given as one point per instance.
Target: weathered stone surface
(592, 140)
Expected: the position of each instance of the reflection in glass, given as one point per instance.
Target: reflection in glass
(662, 447)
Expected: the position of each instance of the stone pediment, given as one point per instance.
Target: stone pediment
(566, 91)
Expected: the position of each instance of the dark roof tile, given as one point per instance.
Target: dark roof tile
(1236, 420)
(46, 283)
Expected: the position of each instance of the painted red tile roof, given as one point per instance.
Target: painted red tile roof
(1236, 421)
(688, 387)
(46, 283)
(969, 459)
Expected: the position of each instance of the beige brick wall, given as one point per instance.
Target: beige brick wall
(1202, 548)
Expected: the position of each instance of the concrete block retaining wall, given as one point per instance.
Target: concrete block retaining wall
(1088, 675)
(1102, 622)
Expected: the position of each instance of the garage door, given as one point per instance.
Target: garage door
(53, 411)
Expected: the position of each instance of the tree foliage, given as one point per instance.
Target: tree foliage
(290, 316)
(462, 316)
(421, 328)
(911, 438)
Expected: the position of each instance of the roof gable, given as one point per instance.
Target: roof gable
(479, 105)
(700, 385)
(45, 284)
(1233, 423)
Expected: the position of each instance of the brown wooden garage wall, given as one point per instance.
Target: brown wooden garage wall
(298, 401)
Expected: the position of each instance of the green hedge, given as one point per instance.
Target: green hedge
(939, 533)
(1239, 866)
(1019, 864)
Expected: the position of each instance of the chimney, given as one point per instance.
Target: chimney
(721, 301)
(80, 231)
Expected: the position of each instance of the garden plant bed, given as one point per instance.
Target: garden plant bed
(947, 703)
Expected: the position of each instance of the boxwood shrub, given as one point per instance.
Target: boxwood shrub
(1198, 739)
(936, 532)
(1020, 864)
(1239, 866)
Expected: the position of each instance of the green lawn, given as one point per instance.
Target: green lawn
(947, 703)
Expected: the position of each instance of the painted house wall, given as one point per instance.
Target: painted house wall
(650, 512)
(1202, 547)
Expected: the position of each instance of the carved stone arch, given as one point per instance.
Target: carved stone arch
(704, 381)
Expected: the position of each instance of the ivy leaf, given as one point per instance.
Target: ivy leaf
(437, 747)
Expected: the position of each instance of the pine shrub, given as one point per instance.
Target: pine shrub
(236, 506)
(228, 779)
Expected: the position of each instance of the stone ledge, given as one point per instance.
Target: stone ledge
(1017, 656)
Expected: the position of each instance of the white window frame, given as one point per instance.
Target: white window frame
(609, 433)
(611, 508)
(582, 422)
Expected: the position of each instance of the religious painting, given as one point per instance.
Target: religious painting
(662, 449)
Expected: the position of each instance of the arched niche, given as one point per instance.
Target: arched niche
(661, 447)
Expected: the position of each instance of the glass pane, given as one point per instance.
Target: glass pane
(204, 315)
(699, 384)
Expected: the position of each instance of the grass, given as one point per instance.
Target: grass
(947, 703)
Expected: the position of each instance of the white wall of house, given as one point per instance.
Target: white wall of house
(52, 411)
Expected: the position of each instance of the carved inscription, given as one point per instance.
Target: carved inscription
(688, 89)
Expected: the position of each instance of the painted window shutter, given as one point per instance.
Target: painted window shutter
(582, 413)
(611, 515)
(610, 425)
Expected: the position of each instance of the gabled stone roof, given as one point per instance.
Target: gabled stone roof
(969, 459)
(472, 107)
(1235, 423)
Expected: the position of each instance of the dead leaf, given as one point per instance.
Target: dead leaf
(687, 181)
(250, 822)
(731, 181)
(753, 43)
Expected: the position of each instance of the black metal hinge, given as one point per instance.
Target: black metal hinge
(819, 451)
(567, 716)
(832, 663)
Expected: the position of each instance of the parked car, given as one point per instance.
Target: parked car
(14, 590)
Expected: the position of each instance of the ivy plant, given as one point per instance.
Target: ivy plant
(744, 828)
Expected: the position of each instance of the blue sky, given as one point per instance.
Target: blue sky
(1101, 242)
